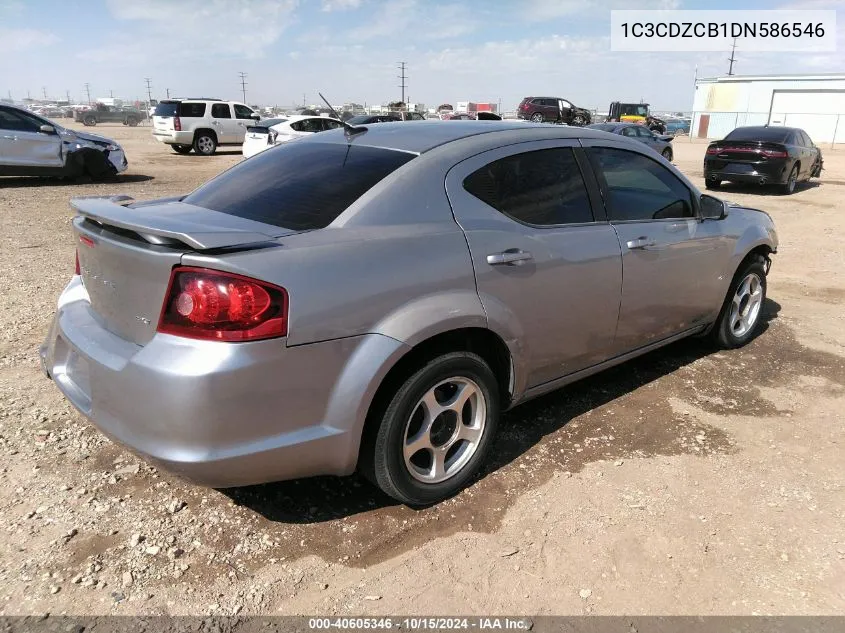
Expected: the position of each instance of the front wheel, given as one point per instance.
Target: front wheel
(182, 149)
(537, 117)
(89, 121)
(740, 316)
(579, 120)
(436, 430)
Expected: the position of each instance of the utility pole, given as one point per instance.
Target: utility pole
(44, 92)
(243, 84)
(88, 92)
(304, 97)
(111, 94)
(168, 92)
(67, 94)
(149, 90)
(732, 59)
(401, 66)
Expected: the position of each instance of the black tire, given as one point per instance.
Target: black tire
(89, 121)
(383, 460)
(667, 154)
(712, 183)
(789, 186)
(537, 117)
(579, 120)
(132, 122)
(205, 143)
(182, 149)
(724, 334)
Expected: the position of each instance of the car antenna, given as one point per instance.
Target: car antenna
(349, 130)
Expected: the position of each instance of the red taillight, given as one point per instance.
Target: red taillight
(775, 153)
(77, 270)
(523, 106)
(210, 304)
(713, 150)
(177, 124)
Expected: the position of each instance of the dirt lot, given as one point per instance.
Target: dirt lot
(687, 482)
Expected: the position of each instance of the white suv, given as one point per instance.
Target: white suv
(201, 124)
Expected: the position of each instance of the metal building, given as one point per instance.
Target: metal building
(815, 103)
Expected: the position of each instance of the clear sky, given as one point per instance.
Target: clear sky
(461, 50)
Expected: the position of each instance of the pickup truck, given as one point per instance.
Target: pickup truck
(102, 113)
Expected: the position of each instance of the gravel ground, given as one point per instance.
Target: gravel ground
(685, 482)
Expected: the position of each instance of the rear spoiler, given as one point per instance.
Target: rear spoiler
(158, 223)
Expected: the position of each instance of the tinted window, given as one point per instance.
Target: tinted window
(643, 132)
(195, 110)
(629, 131)
(360, 119)
(268, 122)
(18, 121)
(767, 134)
(242, 112)
(166, 109)
(298, 185)
(307, 125)
(605, 127)
(542, 188)
(804, 139)
(639, 188)
(331, 124)
(221, 111)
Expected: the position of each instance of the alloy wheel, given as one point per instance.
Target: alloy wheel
(746, 304)
(444, 430)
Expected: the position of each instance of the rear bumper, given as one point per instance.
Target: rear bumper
(174, 138)
(769, 173)
(218, 414)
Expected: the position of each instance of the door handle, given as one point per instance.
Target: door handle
(640, 243)
(510, 257)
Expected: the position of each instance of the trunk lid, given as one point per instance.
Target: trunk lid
(127, 251)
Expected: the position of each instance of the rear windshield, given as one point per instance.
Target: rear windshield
(165, 109)
(298, 186)
(267, 123)
(606, 127)
(765, 134)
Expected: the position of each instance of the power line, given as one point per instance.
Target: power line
(243, 84)
(403, 85)
(732, 59)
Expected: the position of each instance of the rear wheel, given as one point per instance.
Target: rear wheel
(182, 149)
(712, 183)
(436, 430)
(579, 120)
(537, 117)
(667, 154)
(132, 121)
(205, 144)
(740, 316)
(789, 186)
(89, 121)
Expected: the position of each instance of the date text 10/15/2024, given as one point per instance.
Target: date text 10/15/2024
(420, 624)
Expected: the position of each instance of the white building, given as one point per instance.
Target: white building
(815, 103)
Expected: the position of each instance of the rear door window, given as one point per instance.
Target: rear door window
(192, 110)
(540, 188)
(299, 186)
(221, 111)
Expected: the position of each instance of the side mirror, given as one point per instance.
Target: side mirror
(47, 129)
(711, 208)
(255, 116)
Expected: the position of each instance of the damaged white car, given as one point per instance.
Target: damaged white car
(31, 145)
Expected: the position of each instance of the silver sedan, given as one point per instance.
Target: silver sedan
(660, 143)
(373, 298)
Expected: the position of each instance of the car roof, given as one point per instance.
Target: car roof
(423, 136)
(767, 127)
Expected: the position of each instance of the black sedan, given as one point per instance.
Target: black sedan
(763, 155)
